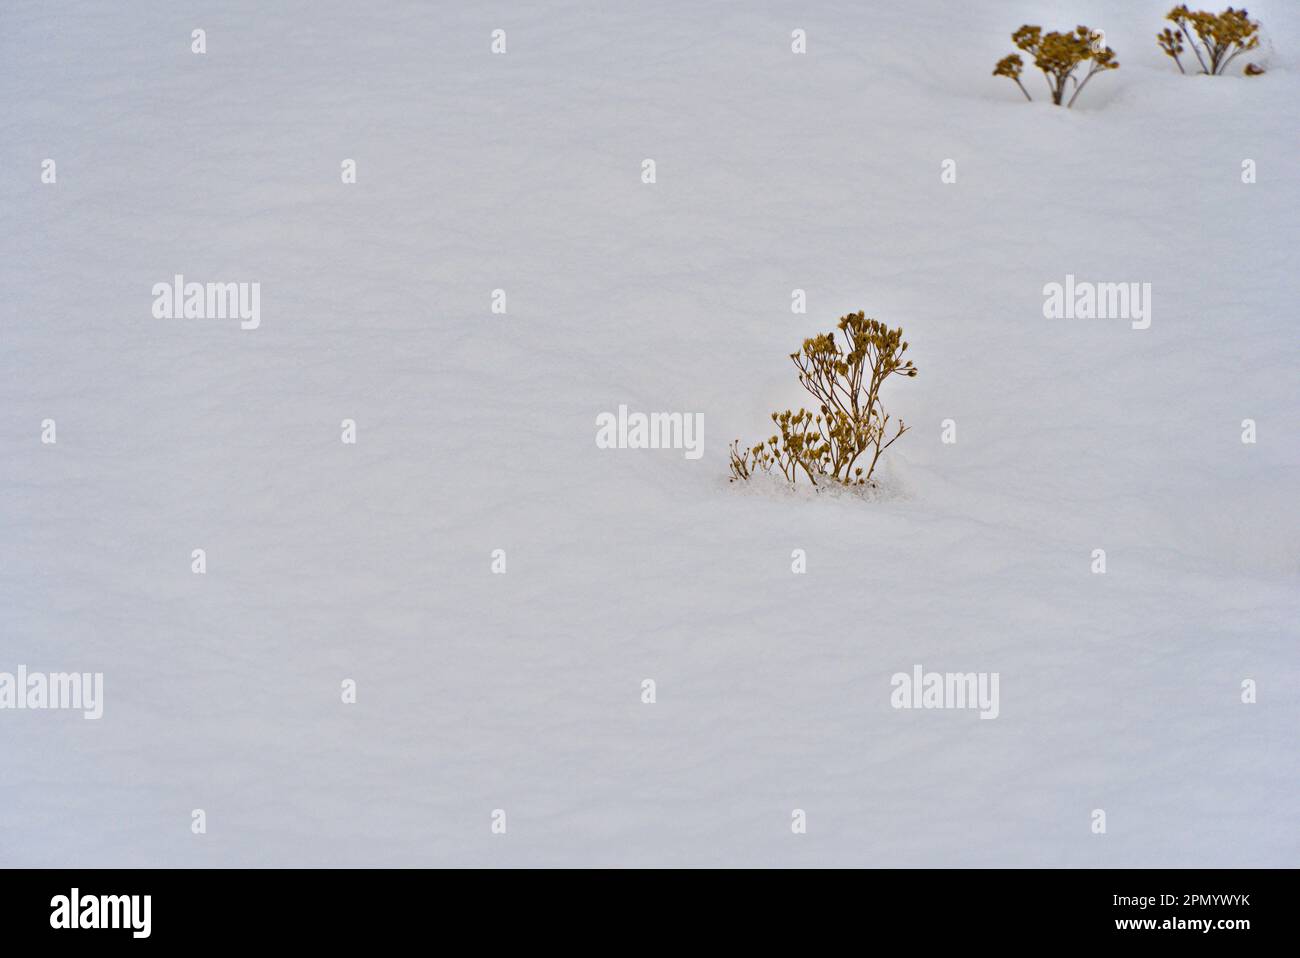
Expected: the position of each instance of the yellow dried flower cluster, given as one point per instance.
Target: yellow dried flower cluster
(850, 423)
(1059, 56)
(1220, 38)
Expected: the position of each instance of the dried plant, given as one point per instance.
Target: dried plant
(850, 425)
(1220, 38)
(1059, 56)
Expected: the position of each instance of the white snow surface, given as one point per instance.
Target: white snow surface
(521, 691)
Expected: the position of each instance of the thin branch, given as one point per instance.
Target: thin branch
(1095, 70)
(1195, 49)
(1224, 69)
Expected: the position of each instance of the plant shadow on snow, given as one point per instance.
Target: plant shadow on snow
(886, 487)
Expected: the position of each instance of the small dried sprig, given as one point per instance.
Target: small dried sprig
(1011, 66)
